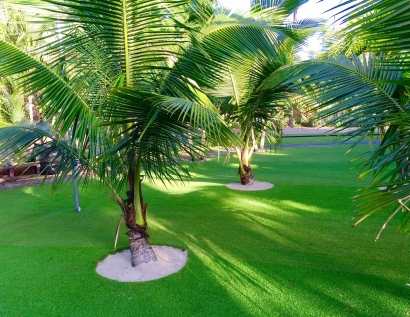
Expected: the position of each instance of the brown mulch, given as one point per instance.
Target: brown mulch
(23, 181)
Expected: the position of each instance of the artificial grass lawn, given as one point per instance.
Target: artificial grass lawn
(288, 251)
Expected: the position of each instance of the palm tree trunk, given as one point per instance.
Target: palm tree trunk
(247, 176)
(262, 142)
(244, 156)
(254, 142)
(291, 119)
(203, 145)
(135, 211)
(30, 108)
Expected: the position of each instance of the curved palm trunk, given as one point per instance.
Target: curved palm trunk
(135, 211)
(244, 156)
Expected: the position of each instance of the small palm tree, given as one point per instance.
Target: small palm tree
(251, 111)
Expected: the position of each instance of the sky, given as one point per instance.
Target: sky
(312, 9)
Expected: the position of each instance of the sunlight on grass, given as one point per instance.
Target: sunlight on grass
(289, 251)
(259, 206)
(179, 188)
(157, 225)
(37, 191)
(278, 152)
(253, 203)
(235, 165)
(270, 229)
(30, 191)
(299, 206)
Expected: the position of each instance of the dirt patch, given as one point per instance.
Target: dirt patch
(23, 181)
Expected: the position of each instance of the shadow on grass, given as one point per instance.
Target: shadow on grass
(288, 251)
(280, 257)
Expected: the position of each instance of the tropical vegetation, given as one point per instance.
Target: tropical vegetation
(369, 91)
(15, 104)
(258, 113)
(121, 92)
(126, 88)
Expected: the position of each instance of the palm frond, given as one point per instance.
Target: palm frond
(382, 25)
(26, 140)
(362, 92)
(58, 99)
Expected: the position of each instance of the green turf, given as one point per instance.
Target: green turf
(288, 251)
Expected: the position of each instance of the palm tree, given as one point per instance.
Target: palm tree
(382, 28)
(115, 99)
(251, 113)
(254, 112)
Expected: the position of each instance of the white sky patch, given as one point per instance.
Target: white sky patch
(236, 5)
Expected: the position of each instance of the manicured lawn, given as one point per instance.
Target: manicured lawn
(288, 251)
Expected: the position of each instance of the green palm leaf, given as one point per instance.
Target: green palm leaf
(362, 92)
(381, 25)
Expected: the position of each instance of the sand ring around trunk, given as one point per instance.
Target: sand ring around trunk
(254, 186)
(118, 266)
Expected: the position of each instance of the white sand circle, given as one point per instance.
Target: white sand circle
(254, 186)
(118, 266)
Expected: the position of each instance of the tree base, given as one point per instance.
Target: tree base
(247, 179)
(118, 266)
(141, 251)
